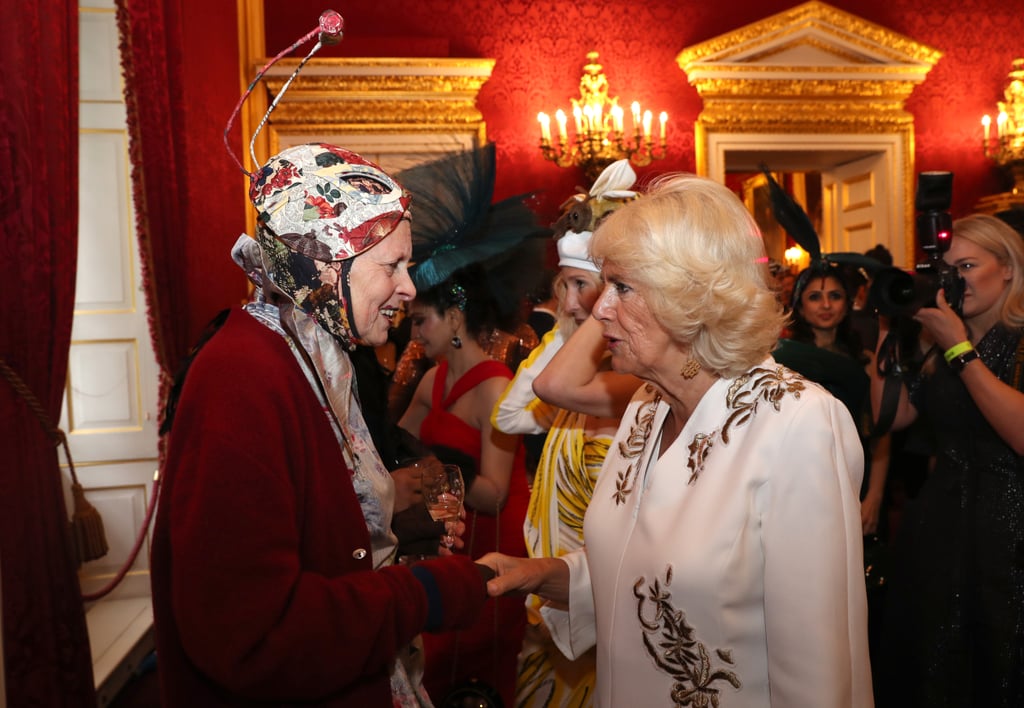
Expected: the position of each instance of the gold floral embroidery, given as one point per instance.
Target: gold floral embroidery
(769, 385)
(632, 448)
(700, 446)
(669, 640)
(745, 393)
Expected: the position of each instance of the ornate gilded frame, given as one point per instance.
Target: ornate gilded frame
(422, 102)
(811, 78)
(395, 111)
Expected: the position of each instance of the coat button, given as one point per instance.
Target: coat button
(359, 553)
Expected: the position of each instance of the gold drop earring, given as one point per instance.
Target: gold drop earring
(690, 369)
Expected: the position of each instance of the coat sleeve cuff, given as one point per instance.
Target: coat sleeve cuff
(574, 631)
(455, 592)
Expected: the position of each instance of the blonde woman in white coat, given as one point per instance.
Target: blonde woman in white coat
(723, 554)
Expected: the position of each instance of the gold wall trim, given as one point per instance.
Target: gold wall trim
(335, 96)
(445, 84)
(804, 89)
(850, 70)
(850, 29)
(385, 66)
(813, 70)
(313, 116)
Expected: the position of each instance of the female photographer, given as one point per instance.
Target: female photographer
(954, 629)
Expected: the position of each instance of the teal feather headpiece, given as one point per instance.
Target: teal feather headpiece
(454, 223)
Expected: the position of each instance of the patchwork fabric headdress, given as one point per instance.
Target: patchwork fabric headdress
(318, 206)
(583, 212)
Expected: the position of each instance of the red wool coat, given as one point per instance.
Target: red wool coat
(263, 588)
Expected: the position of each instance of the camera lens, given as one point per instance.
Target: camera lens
(892, 292)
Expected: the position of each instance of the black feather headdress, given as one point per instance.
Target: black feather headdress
(797, 224)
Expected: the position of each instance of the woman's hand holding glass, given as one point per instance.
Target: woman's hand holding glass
(444, 492)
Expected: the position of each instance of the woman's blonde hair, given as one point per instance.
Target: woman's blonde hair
(695, 254)
(998, 238)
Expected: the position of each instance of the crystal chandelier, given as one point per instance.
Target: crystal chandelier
(599, 136)
(1006, 147)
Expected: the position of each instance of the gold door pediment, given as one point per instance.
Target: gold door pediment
(811, 78)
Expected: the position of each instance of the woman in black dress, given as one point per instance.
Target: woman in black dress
(954, 631)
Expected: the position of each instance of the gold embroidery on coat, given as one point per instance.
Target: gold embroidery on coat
(669, 640)
(699, 447)
(632, 447)
(743, 397)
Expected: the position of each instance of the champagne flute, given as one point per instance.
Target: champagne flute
(443, 492)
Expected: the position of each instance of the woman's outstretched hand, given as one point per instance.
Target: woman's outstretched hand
(546, 577)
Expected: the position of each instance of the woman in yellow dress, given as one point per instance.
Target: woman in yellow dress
(574, 448)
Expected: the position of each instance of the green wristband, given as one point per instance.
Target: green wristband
(956, 350)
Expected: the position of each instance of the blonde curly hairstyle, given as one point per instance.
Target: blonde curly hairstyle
(695, 254)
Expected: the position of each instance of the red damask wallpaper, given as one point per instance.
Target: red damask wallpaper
(540, 45)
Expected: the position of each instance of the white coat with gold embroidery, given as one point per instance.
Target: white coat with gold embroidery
(729, 571)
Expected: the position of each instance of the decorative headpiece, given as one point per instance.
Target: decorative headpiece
(456, 225)
(816, 270)
(317, 206)
(795, 221)
(583, 212)
(325, 202)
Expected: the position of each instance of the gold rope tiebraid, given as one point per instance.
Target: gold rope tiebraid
(88, 539)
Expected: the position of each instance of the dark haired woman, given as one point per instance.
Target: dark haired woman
(823, 346)
(452, 408)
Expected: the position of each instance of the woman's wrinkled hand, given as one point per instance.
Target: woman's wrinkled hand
(547, 577)
(457, 530)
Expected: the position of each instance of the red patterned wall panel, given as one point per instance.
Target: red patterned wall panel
(540, 48)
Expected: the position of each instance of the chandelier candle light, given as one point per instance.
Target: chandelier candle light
(599, 136)
(1006, 148)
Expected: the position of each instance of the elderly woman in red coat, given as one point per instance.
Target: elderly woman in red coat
(272, 569)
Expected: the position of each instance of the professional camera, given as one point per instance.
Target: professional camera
(896, 293)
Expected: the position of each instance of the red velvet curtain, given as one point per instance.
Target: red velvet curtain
(45, 641)
(151, 60)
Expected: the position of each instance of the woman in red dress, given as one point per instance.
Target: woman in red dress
(452, 408)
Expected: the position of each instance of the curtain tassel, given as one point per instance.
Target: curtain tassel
(88, 539)
(87, 535)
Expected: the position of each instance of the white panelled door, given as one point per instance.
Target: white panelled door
(857, 214)
(110, 405)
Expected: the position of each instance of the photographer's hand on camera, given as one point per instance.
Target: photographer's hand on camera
(944, 325)
(1000, 404)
